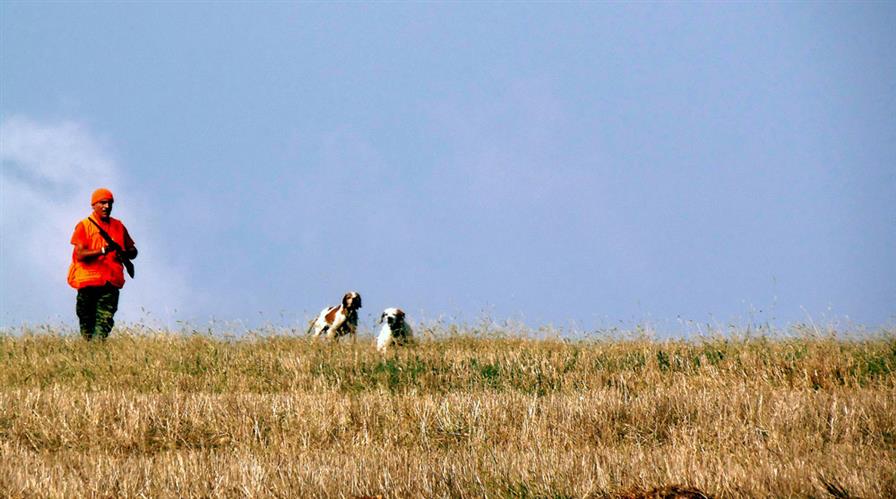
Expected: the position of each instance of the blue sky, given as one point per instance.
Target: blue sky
(580, 165)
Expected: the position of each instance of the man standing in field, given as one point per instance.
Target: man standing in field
(102, 247)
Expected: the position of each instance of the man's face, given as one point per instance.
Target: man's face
(103, 208)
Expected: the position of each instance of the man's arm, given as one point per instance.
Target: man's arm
(82, 253)
(130, 250)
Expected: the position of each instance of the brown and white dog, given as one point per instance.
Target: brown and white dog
(337, 321)
(395, 330)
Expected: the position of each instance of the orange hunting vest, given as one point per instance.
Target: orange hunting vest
(104, 268)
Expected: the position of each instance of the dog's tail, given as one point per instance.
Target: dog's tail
(311, 326)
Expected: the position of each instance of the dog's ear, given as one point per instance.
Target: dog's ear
(382, 318)
(358, 296)
(399, 313)
(345, 298)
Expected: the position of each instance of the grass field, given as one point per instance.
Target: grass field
(461, 414)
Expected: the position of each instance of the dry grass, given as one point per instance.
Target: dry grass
(165, 415)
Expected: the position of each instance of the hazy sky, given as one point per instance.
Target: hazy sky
(581, 165)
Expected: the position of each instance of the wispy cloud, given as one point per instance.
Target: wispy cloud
(48, 172)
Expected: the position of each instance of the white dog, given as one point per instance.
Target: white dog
(395, 330)
(337, 321)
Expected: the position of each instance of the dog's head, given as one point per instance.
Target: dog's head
(351, 301)
(394, 317)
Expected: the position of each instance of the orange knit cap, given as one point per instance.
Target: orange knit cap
(101, 194)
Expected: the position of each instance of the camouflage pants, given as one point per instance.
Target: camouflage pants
(96, 305)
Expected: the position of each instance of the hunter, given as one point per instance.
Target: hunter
(103, 249)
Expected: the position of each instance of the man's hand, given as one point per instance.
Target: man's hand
(130, 254)
(109, 248)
